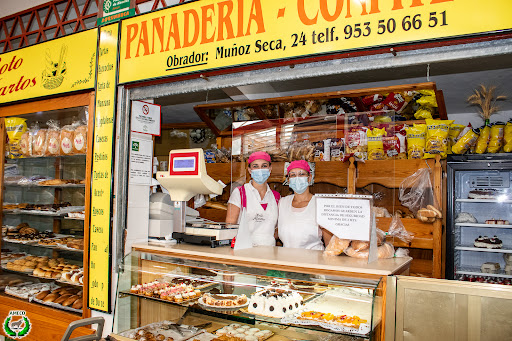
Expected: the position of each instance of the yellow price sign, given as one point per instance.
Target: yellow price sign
(211, 34)
(101, 180)
(53, 67)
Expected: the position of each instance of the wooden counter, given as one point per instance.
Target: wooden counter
(284, 259)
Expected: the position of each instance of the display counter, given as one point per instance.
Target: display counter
(274, 293)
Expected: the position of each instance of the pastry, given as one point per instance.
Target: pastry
(224, 301)
(497, 222)
(483, 194)
(80, 140)
(53, 142)
(490, 268)
(39, 143)
(465, 217)
(66, 140)
(489, 243)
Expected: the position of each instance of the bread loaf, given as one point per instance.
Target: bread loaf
(53, 138)
(42, 294)
(62, 298)
(80, 140)
(360, 245)
(336, 246)
(386, 250)
(51, 297)
(66, 140)
(69, 301)
(78, 303)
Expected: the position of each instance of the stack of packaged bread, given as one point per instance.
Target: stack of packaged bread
(54, 140)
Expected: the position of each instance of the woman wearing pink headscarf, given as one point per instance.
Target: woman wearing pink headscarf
(254, 205)
(297, 227)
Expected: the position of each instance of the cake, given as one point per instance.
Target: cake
(497, 222)
(484, 194)
(224, 300)
(489, 243)
(275, 302)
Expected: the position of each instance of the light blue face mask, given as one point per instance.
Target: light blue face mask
(299, 184)
(260, 175)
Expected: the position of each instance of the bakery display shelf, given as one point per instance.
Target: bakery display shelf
(38, 213)
(484, 225)
(481, 249)
(490, 201)
(57, 306)
(44, 186)
(53, 247)
(69, 283)
(82, 219)
(28, 158)
(475, 271)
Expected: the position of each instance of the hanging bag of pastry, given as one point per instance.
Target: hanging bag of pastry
(416, 139)
(66, 140)
(15, 127)
(79, 138)
(507, 148)
(496, 139)
(375, 143)
(53, 138)
(466, 142)
(417, 194)
(437, 138)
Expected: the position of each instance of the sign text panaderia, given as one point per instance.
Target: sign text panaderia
(210, 34)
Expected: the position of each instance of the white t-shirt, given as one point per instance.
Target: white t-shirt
(236, 200)
(298, 229)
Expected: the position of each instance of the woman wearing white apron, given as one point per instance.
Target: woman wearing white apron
(297, 227)
(254, 206)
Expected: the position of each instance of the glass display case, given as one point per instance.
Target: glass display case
(44, 198)
(161, 297)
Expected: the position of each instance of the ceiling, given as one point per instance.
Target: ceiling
(457, 79)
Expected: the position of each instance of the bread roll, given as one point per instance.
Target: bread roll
(42, 294)
(336, 246)
(80, 140)
(51, 297)
(386, 250)
(78, 303)
(39, 143)
(70, 301)
(62, 298)
(66, 140)
(436, 211)
(360, 245)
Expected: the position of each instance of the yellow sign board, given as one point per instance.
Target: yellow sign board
(53, 67)
(212, 34)
(101, 177)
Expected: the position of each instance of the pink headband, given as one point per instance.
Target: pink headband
(258, 156)
(302, 164)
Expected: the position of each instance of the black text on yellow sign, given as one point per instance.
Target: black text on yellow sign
(213, 34)
(101, 180)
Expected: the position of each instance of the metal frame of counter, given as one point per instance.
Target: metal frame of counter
(284, 259)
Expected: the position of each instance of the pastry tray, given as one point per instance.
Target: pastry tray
(55, 305)
(156, 329)
(219, 308)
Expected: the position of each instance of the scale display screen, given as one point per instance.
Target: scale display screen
(184, 163)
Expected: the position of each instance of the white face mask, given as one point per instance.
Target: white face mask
(260, 175)
(299, 184)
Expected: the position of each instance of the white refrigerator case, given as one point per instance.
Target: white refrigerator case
(490, 177)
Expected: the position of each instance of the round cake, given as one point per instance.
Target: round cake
(275, 302)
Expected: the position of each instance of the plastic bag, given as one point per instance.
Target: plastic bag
(386, 250)
(496, 139)
(507, 148)
(336, 246)
(416, 193)
(15, 128)
(53, 138)
(466, 142)
(416, 139)
(437, 138)
(483, 139)
(397, 230)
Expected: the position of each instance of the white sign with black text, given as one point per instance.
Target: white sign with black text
(141, 161)
(346, 216)
(146, 118)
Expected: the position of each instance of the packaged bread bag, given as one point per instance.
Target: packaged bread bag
(53, 138)
(66, 140)
(483, 139)
(437, 138)
(496, 139)
(26, 144)
(39, 141)
(375, 143)
(80, 139)
(453, 135)
(15, 127)
(416, 139)
(466, 142)
(507, 148)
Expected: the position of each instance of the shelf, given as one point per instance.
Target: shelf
(69, 218)
(45, 186)
(29, 158)
(53, 247)
(484, 225)
(481, 249)
(490, 201)
(41, 214)
(467, 270)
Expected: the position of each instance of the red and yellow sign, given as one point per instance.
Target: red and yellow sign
(214, 34)
(53, 67)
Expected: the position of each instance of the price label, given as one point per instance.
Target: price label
(101, 182)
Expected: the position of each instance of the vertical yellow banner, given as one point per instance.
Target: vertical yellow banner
(101, 186)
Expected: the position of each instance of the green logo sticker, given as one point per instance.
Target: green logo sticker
(17, 325)
(135, 146)
(106, 6)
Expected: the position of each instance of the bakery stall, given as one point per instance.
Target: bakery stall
(45, 170)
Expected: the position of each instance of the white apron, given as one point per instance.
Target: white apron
(299, 229)
(256, 225)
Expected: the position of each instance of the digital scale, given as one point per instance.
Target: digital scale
(187, 177)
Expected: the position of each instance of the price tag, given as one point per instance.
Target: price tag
(346, 216)
(101, 181)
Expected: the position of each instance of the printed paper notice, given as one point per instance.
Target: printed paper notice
(141, 157)
(345, 218)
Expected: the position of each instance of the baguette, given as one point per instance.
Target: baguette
(78, 303)
(62, 298)
(51, 297)
(42, 294)
(70, 301)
